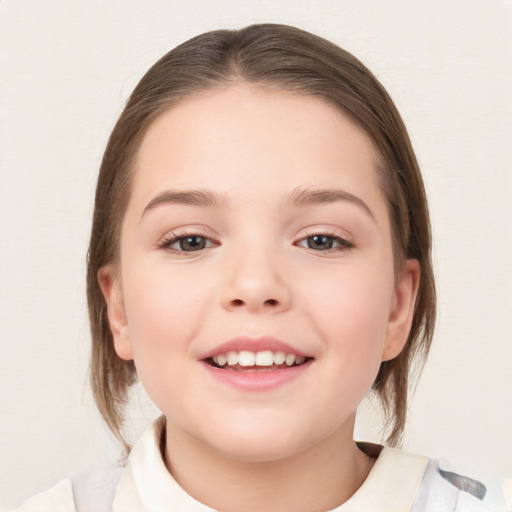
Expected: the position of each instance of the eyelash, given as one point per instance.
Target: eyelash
(344, 244)
(167, 243)
(173, 238)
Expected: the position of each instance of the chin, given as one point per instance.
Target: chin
(261, 441)
(258, 450)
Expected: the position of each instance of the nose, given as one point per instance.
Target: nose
(255, 282)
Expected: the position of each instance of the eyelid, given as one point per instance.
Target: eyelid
(347, 241)
(177, 234)
(333, 231)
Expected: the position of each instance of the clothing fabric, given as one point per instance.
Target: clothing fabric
(398, 482)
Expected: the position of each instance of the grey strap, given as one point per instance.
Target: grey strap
(464, 483)
(444, 491)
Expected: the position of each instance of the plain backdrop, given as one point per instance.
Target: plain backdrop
(67, 67)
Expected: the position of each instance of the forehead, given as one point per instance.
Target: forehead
(255, 141)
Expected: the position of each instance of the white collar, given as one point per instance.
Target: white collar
(147, 485)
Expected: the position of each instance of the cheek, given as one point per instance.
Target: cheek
(354, 324)
(163, 311)
(157, 302)
(351, 311)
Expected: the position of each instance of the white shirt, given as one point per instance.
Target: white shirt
(398, 482)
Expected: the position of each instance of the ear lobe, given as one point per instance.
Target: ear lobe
(401, 315)
(111, 287)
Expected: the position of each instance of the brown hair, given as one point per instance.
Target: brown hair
(288, 59)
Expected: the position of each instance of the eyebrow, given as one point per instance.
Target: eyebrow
(308, 196)
(205, 198)
(299, 197)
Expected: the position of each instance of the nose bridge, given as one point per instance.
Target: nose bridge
(255, 278)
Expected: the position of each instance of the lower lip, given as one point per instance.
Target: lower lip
(256, 380)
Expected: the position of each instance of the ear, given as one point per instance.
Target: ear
(402, 312)
(110, 285)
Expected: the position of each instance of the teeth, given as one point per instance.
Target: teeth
(279, 357)
(246, 358)
(263, 358)
(290, 359)
(232, 358)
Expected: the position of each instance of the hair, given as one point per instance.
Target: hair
(282, 58)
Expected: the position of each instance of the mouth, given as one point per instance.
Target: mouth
(248, 361)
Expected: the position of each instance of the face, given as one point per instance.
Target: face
(255, 290)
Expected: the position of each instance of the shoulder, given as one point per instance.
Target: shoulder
(442, 489)
(58, 498)
(92, 491)
(404, 481)
(95, 490)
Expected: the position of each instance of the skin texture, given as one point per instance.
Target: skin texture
(290, 447)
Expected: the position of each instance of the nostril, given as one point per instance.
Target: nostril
(269, 303)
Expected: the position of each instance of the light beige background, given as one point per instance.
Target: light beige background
(66, 69)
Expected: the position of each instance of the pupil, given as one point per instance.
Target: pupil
(320, 242)
(192, 243)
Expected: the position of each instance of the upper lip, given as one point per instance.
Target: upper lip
(252, 344)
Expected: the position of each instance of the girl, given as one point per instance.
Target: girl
(260, 258)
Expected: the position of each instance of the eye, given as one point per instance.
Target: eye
(324, 242)
(186, 243)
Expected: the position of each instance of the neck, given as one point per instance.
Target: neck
(320, 477)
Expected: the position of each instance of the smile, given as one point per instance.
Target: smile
(255, 363)
(246, 360)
